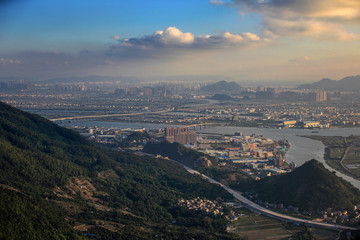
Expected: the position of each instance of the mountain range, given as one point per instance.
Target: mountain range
(351, 83)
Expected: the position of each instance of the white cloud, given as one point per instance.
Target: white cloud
(233, 38)
(170, 37)
(251, 36)
(5, 61)
(173, 37)
(116, 37)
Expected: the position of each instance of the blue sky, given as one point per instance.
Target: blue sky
(299, 40)
(31, 23)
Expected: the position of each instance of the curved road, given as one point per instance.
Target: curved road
(257, 208)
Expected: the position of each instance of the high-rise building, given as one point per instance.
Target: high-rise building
(181, 135)
(318, 96)
(266, 92)
(321, 96)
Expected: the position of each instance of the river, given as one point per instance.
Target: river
(302, 149)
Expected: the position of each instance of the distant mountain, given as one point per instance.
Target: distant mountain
(54, 184)
(222, 87)
(310, 187)
(351, 83)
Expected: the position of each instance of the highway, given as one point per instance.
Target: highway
(259, 209)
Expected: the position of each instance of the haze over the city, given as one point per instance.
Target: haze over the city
(239, 40)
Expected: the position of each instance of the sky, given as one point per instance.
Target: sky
(240, 40)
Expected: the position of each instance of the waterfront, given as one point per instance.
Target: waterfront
(119, 125)
(301, 150)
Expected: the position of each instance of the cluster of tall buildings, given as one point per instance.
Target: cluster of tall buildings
(145, 91)
(318, 96)
(266, 92)
(269, 93)
(180, 135)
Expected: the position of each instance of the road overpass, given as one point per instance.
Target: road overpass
(259, 209)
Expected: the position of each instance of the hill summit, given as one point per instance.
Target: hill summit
(310, 187)
(351, 83)
(221, 87)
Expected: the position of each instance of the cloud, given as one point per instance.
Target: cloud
(217, 2)
(115, 37)
(170, 37)
(84, 51)
(4, 61)
(310, 28)
(300, 59)
(173, 38)
(320, 19)
(320, 9)
(325, 9)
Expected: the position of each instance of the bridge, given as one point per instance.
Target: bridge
(108, 115)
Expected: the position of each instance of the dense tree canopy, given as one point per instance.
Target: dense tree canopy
(41, 165)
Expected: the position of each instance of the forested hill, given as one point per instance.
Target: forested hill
(222, 87)
(37, 155)
(180, 153)
(310, 187)
(56, 185)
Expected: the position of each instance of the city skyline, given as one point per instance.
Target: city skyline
(238, 40)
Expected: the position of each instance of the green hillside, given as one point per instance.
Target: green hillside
(178, 152)
(73, 189)
(23, 217)
(310, 187)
